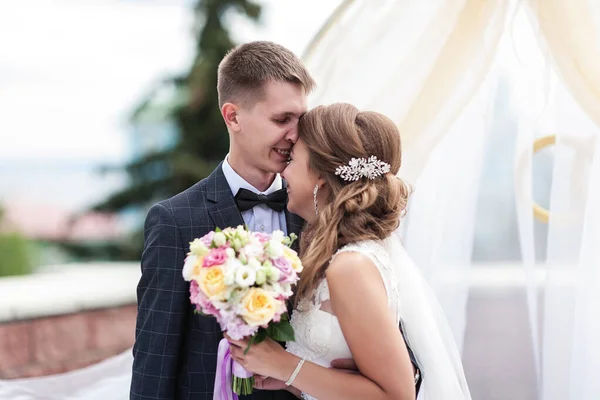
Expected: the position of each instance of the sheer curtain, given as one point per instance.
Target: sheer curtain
(422, 63)
(561, 88)
(418, 62)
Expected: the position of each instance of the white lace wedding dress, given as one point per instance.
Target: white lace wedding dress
(319, 337)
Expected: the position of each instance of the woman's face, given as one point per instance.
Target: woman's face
(301, 182)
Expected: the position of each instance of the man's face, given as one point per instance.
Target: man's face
(269, 129)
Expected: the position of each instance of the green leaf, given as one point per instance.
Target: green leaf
(281, 331)
(198, 312)
(259, 337)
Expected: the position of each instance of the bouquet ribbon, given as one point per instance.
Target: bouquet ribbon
(227, 368)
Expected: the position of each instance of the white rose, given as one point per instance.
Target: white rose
(274, 274)
(254, 263)
(274, 288)
(198, 248)
(229, 277)
(230, 270)
(278, 236)
(188, 267)
(230, 252)
(219, 239)
(286, 290)
(245, 276)
(253, 250)
(274, 249)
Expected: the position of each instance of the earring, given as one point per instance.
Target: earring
(316, 189)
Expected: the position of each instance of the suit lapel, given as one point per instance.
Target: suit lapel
(293, 222)
(223, 210)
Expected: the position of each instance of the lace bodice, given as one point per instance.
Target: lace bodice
(319, 337)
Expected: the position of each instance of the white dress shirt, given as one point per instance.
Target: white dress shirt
(260, 218)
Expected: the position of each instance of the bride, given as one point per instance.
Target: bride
(358, 283)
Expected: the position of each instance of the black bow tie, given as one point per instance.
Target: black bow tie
(247, 199)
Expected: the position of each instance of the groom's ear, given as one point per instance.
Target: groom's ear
(230, 113)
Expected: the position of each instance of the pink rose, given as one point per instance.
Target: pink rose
(236, 327)
(262, 237)
(285, 266)
(282, 310)
(207, 239)
(202, 302)
(215, 257)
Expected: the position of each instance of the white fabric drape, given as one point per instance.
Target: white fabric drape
(439, 226)
(401, 58)
(569, 57)
(562, 307)
(419, 62)
(569, 32)
(109, 379)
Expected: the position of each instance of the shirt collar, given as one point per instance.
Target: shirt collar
(236, 182)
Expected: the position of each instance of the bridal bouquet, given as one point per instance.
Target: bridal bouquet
(243, 279)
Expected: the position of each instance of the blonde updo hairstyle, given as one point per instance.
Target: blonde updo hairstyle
(366, 209)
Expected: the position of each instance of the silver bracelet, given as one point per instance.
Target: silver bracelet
(295, 373)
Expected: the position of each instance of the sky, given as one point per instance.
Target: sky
(71, 71)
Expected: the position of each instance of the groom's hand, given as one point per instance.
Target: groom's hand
(345, 365)
(266, 383)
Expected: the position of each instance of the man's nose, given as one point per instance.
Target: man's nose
(292, 135)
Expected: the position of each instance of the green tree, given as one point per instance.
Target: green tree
(16, 256)
(202, 140)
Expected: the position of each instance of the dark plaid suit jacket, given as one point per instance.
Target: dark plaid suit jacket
(175, 351)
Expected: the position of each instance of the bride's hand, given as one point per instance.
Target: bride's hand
(266, 358)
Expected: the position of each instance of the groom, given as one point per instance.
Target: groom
(262, 90)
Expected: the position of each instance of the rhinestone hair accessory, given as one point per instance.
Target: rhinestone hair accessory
(362, 168)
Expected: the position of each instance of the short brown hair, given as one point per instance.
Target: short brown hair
(354, 211)
(246, 68)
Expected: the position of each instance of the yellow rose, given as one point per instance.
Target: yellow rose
(294, 259)
(211, 281)
(259, 307)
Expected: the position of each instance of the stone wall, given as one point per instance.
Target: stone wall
(55, 344)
